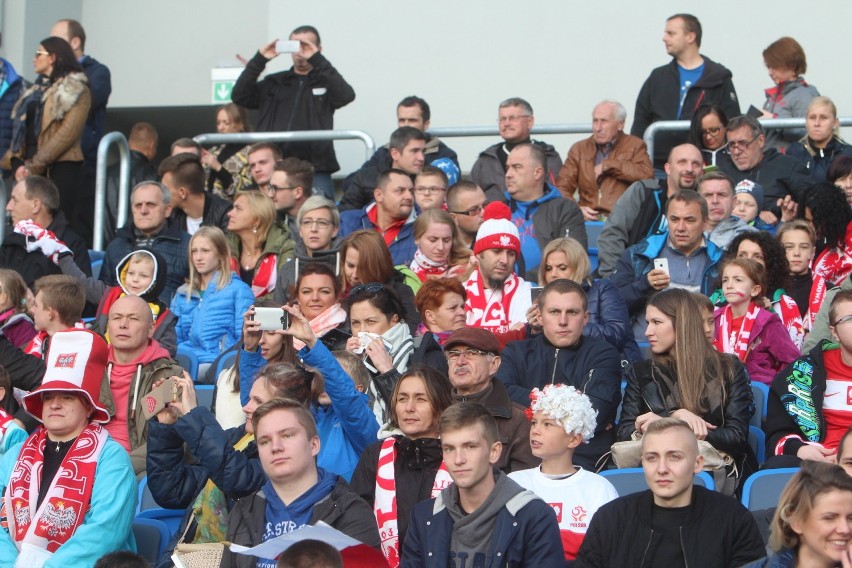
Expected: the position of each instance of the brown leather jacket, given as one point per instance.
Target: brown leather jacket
(628, 162)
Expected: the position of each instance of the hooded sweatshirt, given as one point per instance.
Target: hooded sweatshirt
(124, 382)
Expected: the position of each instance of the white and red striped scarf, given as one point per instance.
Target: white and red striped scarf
(384, 504)
(486, 308)
(265, 275)
(35, 346)
(788, 310)
(735, 342)
(67, 500)
(835, 264)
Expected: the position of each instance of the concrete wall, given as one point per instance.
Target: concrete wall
(461, 56)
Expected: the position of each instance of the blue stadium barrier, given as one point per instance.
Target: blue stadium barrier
(151, 537)
(189, 361)
(761, 403)
(757, 441)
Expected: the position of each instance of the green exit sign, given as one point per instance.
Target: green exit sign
(222, 81)
(222, 91)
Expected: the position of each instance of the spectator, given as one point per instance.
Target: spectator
(515, 119)
(430, 188)
(136, 362)
(186, 146)
(57, 305)
(686, 378)
(539, 212)
(717, 189)
(465, 203)
(691, 260)
(192, 206)
(392, 215)
(76, 479)
(440, 303)
(748, 199)
(707, 133)
(560, 354)
(440, 253)
(745, 329)
(11, 85)
(608, 317)
(497, 298)
(59, 102)
(799, 529)
(561, 419)
(781, 176)
(473, 356)
(319, 222)
(142, 142)
(840, 174)
(15, 324)
(25, 373)
(296, 493)
(405, 467)
(790, 95)
(210, 327)
(799, 241)
(483, 514)
(407, 146)
(277, 96)
(227, 164)
(258, 243)
(36, 199)
(806, 418)
(262, 158)
(601, 167)
(641, 211)
(11, 434)
(821, 145)
(831, 216)
(676, 91)
(149, 228)
(289, 187)
(310, 553)
(367, 259)
(646, 527)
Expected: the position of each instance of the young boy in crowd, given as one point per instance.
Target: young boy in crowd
(58, 305)
(561, 419)
(10, 432)
(799, 241)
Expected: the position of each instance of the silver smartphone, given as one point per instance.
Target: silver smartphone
(287, 46)
(271, 319)
(661, 264)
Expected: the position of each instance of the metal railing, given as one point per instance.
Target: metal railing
(101, 181)
(683, 126)
(296, 136)
(460, 131)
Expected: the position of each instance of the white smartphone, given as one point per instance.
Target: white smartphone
(271, 318)
(287, 46)
(661, 264)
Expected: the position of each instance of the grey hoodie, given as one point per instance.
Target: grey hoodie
(727, 230)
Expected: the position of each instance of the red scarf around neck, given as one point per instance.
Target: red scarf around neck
(735, 342)
(489, 309)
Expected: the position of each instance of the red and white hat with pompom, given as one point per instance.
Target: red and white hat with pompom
(497, 231)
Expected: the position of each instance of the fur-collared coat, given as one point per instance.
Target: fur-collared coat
(66, 105)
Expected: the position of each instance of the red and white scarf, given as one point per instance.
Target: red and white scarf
(489, 309)
(35, 346)
(384, 505)
(329, 319)
(5, 421)
(788, 311)
(426, 268)
(735, 342)
(835, 263)
(265, 275)
(68, 498)
(818, 291)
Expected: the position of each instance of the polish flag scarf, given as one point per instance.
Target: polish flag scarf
(486, 308)
(731, 341)
(835, 263)
(788, 311)
(384, 506)
(425, 268)
(265, 275)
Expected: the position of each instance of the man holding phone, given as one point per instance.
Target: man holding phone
(301, 98)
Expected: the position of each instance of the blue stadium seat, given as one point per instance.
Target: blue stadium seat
(593, 229)
(145, 500)
(761, 403)
(632, 480)
(96, 258)
(593, 259)
(762, 490)
(205, 395)
(757, 441)
(189, 361)
(226, 361)
(171, 518)
(620, 404)
(151, 536)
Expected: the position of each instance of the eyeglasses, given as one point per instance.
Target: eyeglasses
(711, 131)
(272, 188)
(844, 319)
(472, 212)
(470, 354)
(513, 118)
(320, 223)
(741, 144)
(370, 287)
(429, 189)
(39, 53)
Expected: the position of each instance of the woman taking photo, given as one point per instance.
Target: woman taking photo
(440, 253)
(822, 144)
(686, 378)
(791, 94)
(707, 133)
(48, 122)
(319, 222)
(258, 243)
(440, 303)
(411, 457)
(210, 327)
(227, 164)
(608, 317)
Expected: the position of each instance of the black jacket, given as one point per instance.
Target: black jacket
(342, 509)
(779, 175)
(100, 87)
(215, 213)
(288, 101)
(428, 352)
(417, 462)
(719, 532)
(660, 96)
(649, 385)
(33, 265)
(141, 169)
(818, 160)
(26, 372)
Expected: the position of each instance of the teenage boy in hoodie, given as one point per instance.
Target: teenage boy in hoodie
(539, 211)
(484, 519)
(135, 362)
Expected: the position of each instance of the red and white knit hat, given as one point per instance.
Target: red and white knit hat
(497, 231)
(76, 362)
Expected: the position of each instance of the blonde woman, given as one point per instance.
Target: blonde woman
(822, 143)
(440, 253)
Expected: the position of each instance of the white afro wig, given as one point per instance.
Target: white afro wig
(568, 406)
